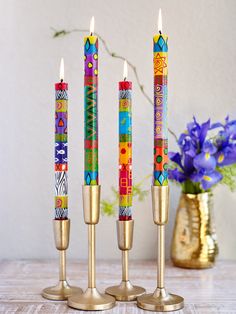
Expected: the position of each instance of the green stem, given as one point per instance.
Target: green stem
(189, 187)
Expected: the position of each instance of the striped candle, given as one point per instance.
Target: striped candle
(125, 148)
(160, 55)
(91, 108)
(61, 162)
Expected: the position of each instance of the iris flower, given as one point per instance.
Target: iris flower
(226, 143)
(201, 156)
(206, 160)
(206, 178)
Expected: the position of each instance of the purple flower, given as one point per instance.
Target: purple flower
(230, 127)
(222, 139)
(205, 160)
(187, 145)
(176, 158)
(188, 164)
(176, 175)
(206, 178)
(226, 156)
(194, 129)
(209, 147)
(226, 145)
(201, 156)
(204, 129)
(198, 132)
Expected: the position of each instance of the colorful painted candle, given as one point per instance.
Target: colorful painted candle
(91, 108)
(160, 62)
(125, 148)
(61, 162)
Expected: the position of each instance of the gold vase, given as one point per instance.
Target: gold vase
(194, 243)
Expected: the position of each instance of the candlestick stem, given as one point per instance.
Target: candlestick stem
(125, 265)
(62, 265)
(91, 265)
(161, 256)
(125, 291)
(91, 299)
(160, 300)
(62, 290)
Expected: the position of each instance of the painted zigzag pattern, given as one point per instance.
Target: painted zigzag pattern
(125, 211)
(61, 94)
(125, 94)
(61, 183)
(61, 213)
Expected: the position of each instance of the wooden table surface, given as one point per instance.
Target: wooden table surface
(205, 291)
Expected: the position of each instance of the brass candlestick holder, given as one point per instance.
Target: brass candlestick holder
(160, 300)
(62, 290)
(125, 291)
(91, 299)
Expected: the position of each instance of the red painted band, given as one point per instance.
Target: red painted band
(124, 85)
(160, 79)
(90, 144)
(61, 167)
(61, 86)
(89, 80)
(125, 218)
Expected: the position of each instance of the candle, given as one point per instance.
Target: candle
(125, 148)
(91, 108)
(61, 185)
(160, 55)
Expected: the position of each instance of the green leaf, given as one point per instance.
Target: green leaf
(108, 208)
(138, 192)
(229, 176)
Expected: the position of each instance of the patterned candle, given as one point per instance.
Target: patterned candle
(61, 185)
(160, 54)
(125, 148)
(91, 108)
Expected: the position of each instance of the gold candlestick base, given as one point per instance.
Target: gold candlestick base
(62, 290)
(91, 299)
(125, 291)
(160, 300)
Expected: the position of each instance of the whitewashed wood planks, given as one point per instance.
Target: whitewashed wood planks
(205, 291)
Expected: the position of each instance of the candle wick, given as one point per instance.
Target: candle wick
(91, 34)
(124, 79)
(61, 80)
(160, 32)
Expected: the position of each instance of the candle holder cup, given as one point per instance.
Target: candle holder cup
(91, 299)
(125, 291)
(62, 290)
(160, 300)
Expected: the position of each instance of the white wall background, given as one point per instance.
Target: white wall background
(202, 77)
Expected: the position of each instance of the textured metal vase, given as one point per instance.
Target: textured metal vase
(194, 242)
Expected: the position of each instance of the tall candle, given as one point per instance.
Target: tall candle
(61, 162)
(91, 108)
(125, 148)
(160, 62)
